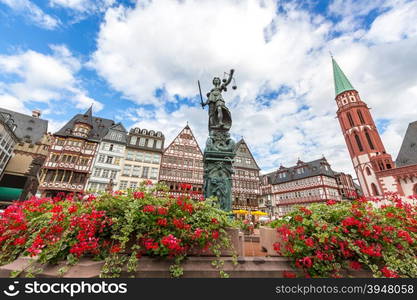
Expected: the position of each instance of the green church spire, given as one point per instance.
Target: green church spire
(341, 83)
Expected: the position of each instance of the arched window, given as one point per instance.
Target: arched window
(368, 138)
(374, 190)
(368, 171)
(350, 119)
(361, 117)
(358, 141)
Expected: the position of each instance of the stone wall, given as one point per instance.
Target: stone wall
(194, 267)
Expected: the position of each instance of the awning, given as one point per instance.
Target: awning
(10, 194)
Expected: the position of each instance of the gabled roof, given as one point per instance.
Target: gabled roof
(100, 126)
(174, 141)
(120, 129)
(312, 168)
(239, 144)
(341, 83)
(87, 117)
(408, 151)
(28, 128)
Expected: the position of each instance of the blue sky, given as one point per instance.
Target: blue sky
(138, 62)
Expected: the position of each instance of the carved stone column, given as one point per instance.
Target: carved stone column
(218, 159)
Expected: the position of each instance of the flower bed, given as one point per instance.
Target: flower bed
(323, 240)
(68, 228)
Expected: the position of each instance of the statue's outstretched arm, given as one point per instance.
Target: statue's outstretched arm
(228, 79)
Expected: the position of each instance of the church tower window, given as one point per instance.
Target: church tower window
(374, 189)
(358, 141)
(368, 138)
(350, 119)
(361, 117)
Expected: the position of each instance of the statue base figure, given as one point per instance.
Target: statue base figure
(218, 159)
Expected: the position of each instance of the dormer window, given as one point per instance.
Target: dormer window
(81, 130)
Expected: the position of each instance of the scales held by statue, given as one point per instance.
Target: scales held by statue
(220, 147)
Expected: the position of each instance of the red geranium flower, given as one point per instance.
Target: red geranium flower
(355, 265)
(115, 248)
(162, 222)
(215, 234)
(309, 242)
(149, 208)
(389, 273)
(288, 274)
(331, 202)
(138, 195)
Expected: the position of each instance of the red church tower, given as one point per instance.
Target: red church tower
(361, 135)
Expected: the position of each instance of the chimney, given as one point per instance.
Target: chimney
(36, 113)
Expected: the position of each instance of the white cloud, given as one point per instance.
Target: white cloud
(83, 6)
(33, 12)
(12, 103)
(49, 79)
(137, 55)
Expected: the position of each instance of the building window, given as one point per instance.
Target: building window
(148, 157)
(415, 189)
(126, 170)
(123, 185)
(133, 185)
(142, 142)
(139, 156)
(158, 144)
(133, 140)
(105, 173)
(109, 160)
(156, 159)
(374, 189)
(97, 172)
(358, 141)
(136, 171)
(130, 155)
(368, 138)
(113, 174)
(368, 171)
(101, 158)
(361, 117)
(145, 172)
(151, 143)
(154, 173)
(350, 119)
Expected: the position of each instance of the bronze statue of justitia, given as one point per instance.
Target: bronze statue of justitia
(219, 114)
(220, 147)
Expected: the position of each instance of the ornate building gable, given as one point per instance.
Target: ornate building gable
(116, 134)
(300, 171)
(303, 183)
(182, 162)
(408, 151)
(246, 184)
(86, 126)
(244, 157)
(69, 164)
